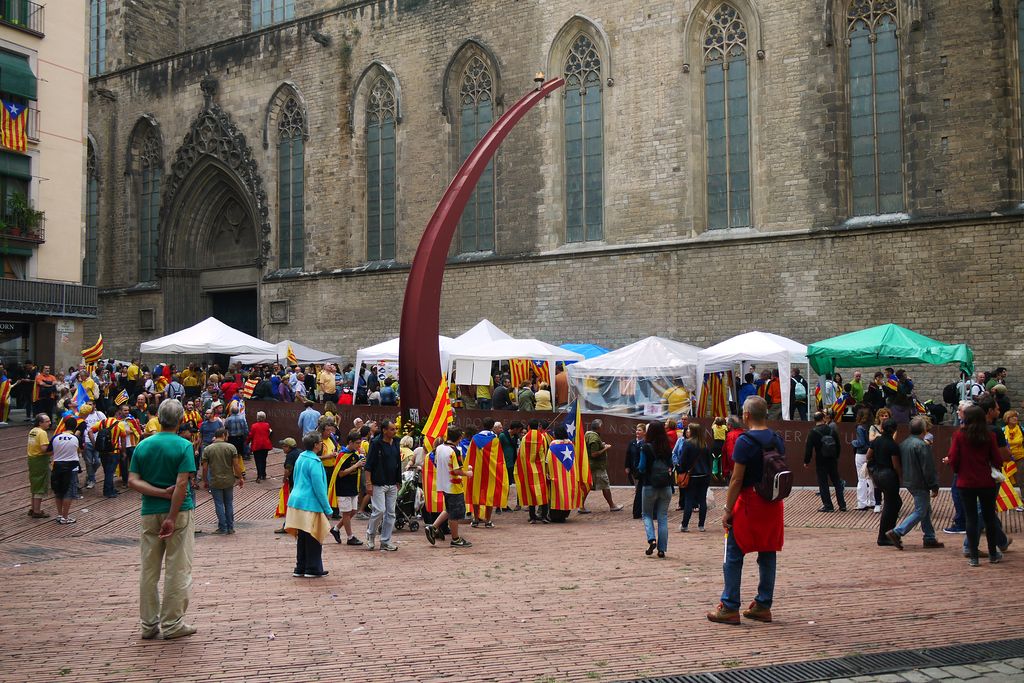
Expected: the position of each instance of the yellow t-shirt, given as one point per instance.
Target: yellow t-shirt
(484, 391)
(458, 486)
(678, 399)
(327, 456)
(133, 372)
(38, 440)
(325, 380)
(90, 388)
(152, 426)
(719, 432)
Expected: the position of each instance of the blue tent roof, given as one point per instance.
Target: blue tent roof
(588, 350)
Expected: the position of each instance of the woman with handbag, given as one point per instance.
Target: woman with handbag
(693, 462)
(656, 469)
(975, 458)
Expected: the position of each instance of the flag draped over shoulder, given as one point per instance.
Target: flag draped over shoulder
(531, 478)
(565, 483)
(248, 388)
(433, 499)
(574, 425)
(12, 126)
(94, 353)
(489, 484)
(1007, 497)
(5, 398)
(441, 414)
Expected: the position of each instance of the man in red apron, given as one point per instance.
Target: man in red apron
(752, 523)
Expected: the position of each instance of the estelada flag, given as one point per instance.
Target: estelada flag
(574, 425)
(441, 414)
(489, 484)
(1007, 497)
(248, 388)
(292, 359)
(530, 470)
(541, 368)
(565, 482)
(5, 399)
(94, 353)
(122, 398)
(12, 126)
(433, 499)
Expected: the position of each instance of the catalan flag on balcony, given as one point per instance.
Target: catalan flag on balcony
(12, 126)
(94, 353)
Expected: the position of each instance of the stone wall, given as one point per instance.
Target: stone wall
(804, 270)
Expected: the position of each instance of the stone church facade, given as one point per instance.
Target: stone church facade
(807, 168)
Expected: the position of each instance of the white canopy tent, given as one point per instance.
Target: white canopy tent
(632, 379)
(303, 354)
(485, 342)
(388, 352)
(754, 347)
(208, 336)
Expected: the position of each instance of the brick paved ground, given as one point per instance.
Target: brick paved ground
(578, 601)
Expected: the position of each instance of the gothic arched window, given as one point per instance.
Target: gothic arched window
(92, 218)
(727, 120)
(381, 117)
(876, 137)
(476, 113)
(584, 143)
(290, 184)
(150, 160)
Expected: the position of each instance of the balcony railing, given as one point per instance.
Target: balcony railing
(32, 123)
(22, 14)
(12, 228)
(46, 297)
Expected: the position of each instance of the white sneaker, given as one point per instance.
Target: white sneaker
(60, 520)
(369, 542)
(1019, 508)
(90, 485)
(878, 508)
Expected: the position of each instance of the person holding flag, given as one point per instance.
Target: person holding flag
(573, 424)
(450, 476)
(489, 488)
(5, 396)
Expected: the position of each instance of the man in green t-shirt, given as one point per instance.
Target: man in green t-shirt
(160, 470)
(597, 452)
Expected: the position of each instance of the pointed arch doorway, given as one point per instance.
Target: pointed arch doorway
(214, 229)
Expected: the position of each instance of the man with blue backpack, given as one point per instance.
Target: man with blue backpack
(753, 514)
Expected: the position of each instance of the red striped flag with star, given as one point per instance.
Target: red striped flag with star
(12, 126)
(540, 367)
(488, 487)
(531, 479)
(441, 414)
(565, 482)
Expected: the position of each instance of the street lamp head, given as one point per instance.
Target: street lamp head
(538, 78)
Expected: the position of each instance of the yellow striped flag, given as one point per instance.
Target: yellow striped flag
(433, 499)
(519, 369)
(5, 399)
(248, 388)
(488, 487)
(12, 126)
(582, 457)
(121, 398)
(441, 414)
(1007, 497)
(531, 479)
(94, 353)
(292, 359)
(543, 374)
(282, 500)
(565, 483)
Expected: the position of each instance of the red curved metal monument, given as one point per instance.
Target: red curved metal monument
(419, 360)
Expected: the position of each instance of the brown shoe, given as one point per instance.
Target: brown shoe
(758, 613)
(724, 616)
(934, 544)
(894, 538)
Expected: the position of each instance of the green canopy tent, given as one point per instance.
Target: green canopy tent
(889, 345)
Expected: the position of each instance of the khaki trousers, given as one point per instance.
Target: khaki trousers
(176, 553)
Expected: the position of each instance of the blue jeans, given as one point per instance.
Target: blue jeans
(224, 502)
(109, 462)
(733, 570)
(959, 517)
(655, 502)
(922, 513)
(92, 463)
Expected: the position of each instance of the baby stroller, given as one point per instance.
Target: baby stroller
(410, 502)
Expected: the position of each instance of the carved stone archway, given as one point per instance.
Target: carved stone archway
(214, 220)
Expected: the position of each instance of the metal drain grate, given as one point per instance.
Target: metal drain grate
(857, 665)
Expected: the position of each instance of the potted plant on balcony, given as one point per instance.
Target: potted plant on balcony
(21, 216)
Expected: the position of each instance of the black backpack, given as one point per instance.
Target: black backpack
(829, 444)
(660, 473)
(776, 478)
(950, 394)
(104, 441)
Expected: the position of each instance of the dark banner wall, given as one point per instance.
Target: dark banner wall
(618, 431)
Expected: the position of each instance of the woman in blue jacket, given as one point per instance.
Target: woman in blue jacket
(308, 507)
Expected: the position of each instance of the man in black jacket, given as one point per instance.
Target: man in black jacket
(500, 399)
(633, 469)
(824, 444)
(383, 474)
